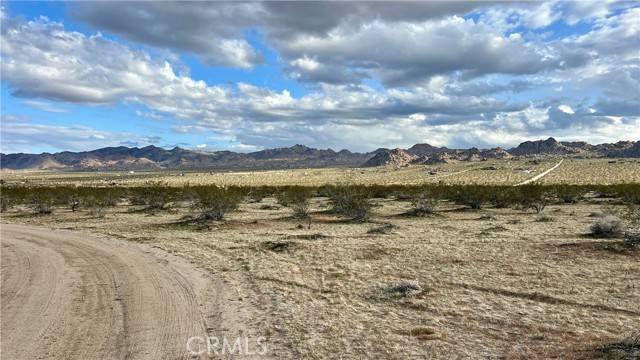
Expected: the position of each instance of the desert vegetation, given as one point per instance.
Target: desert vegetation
(490, 172)
(350, 201)
(430, 266)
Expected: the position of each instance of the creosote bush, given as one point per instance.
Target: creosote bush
(297, 198)
(42, 204)
(351, 201)
(213, 203)
(423, 203)
(154, 196)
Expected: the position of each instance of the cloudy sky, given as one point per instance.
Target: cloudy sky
(248, 76)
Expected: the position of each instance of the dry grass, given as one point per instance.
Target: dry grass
(507, 172)
(500, 286)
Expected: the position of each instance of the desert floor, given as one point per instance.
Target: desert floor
(491, 172)
(496, 283)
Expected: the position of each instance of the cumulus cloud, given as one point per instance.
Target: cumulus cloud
(407, 53)
(437, 68)
(210, 31)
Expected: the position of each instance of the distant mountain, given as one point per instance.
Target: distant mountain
(152, 157)
(395, 158)
(576, 149)
(300, 156)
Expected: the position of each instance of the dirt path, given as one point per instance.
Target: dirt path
(68, 295)
(541, 175)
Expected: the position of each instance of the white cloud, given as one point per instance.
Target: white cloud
(566, 109)
(446, 98)
(22, 135)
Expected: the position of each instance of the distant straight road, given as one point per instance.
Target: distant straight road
(67, 295)
(541, 175)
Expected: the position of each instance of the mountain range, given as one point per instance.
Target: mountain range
(300, 156)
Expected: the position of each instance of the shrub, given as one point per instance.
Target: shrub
(258, 193)
(569, 194)
(214, 202)
(96, 205)
(534, 197)
(154, 196)
(631, 217)
(502, 197)
(473, 196)
(97, 211)
(42, 209)
(74, 202)
(5, 204)
(632, 238)
(351, 201)
(423, 204)
(607, 226)
(296, 198)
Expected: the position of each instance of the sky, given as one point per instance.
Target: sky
(245, 76)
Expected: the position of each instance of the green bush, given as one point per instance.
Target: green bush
(351, 201)
(213, 203)
(297, 198)
(154, 196)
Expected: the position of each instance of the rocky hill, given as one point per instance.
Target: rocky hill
(395, 158)
(300, 156)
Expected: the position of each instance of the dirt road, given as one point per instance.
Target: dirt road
(541, 175)
(67, 295)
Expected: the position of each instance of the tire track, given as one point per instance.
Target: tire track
(541, 175)
(66, 295)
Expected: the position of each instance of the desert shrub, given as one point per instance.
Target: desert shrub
(625, 349)
(629, 193)
(403, 195)
(153, 196)
(297, 198)
(569, 194)
(282, 198)
(423, 203)
(632, 238)
(534, 197)
(97, 211)
(5, 203)
(502, 197)
(631, 218)
(213, 202)
(74, 202)
(351, 201)
(41, 204)
(325, 191)
(473, 196)
(95, 204)
(256, 194)
(607, 226)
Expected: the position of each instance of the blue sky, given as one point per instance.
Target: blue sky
(248, 76)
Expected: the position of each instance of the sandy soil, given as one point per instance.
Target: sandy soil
(498, 283)
(69, 295)
(497, 172)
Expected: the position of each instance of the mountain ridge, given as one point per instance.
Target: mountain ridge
(300, 156)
